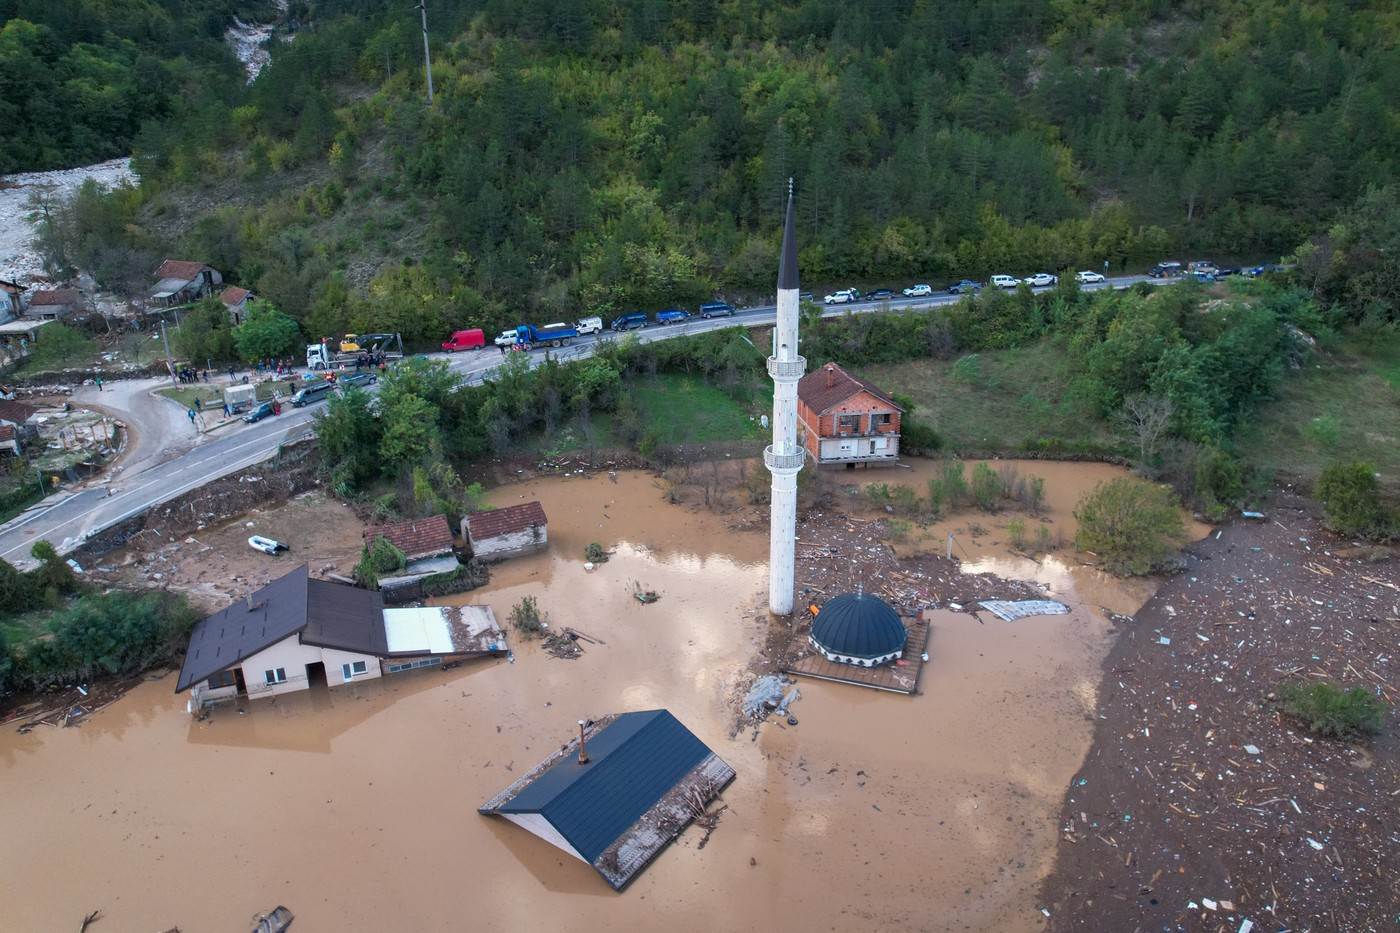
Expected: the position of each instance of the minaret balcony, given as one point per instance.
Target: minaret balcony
(784, 462)
(787, 369)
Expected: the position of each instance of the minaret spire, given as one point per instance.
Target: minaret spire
(784, 458)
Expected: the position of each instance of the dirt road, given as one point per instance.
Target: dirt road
(157, 428)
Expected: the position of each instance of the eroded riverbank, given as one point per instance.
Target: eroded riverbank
(356, 806)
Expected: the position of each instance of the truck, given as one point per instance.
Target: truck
(589, 325)
(555, 335)
(473, 339)
(240, 398)
(378, 347)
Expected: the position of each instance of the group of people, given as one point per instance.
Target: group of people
(190, 375)
(276, 365)
(376, 360)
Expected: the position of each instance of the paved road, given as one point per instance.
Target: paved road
(66, 520)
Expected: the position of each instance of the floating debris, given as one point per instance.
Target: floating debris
(1015, 610)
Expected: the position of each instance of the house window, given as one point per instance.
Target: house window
(278, 676)
(847, 424)
(222, 679)
(881, 421)
(358, 667)
(350, 670)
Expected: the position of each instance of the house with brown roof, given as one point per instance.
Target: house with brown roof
(9, 439)
(179, 281)
(297, 633)
(425, 542)
(236, 301)
(10, 304)
(508, 532)
(55, 304)
(845, 419)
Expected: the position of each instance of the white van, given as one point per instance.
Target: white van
(589, 325)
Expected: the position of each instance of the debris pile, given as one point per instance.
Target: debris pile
(1201, 804)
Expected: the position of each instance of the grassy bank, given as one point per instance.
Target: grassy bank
(1003, 400)
(1344, 405)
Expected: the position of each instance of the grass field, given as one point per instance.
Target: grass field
(1343, 406)
(1006, 400)
(676, 409)
(213, 396)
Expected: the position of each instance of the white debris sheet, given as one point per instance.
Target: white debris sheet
(417, 630)
(1015, 610)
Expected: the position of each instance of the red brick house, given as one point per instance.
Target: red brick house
(845, 419)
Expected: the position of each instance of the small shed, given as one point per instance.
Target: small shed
(236, 301)
(508, 532)
(54, 304)
(418, 538)
(617, 794)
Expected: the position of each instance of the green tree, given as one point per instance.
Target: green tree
(1351, 499)
(266, 332)
(1133, 526)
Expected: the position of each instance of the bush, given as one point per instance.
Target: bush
(918, 438)
(1016, 529)
(595, 554)
(1132, 525)
(948, 491)
(61, 347)
(986, 487)
(527, 618)
(379, 557)
(114, 634)
(1351, 499)
(1328, 710)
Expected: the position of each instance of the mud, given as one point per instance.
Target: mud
(356, 807)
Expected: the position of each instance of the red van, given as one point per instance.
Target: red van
(465, 340)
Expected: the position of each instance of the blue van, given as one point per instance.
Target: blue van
(634, 321)
(671, 316)
(716, 309)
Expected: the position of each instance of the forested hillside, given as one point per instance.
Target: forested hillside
(79, 78)
(604, 156)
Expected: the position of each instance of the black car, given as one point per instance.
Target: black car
(879, 294)
(716, 309)
(1228, 270)
(634, 321)
(966, 285)
(265, 410)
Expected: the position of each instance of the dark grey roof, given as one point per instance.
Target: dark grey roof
(330, 615)
(632, 764)
(787, 265)
(859, 625)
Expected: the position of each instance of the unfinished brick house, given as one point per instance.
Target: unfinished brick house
(845, 419)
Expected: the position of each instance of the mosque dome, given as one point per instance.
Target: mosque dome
(860, 629)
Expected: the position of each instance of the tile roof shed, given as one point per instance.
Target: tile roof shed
(181, 269)
(417, 538)
(506, 521)
(629, 800)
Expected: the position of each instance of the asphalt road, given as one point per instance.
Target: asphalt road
(66, 520)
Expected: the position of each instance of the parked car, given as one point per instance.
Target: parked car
(880, 294)
(1202, 265)
(1005, 281)
(267, 545)
(842, 296)
(1228, 270)
(312, 393)
(1201, 275)
(1041, 279)
(805, 296)
(261, 411)
(1165, 269)
(589, 325)
(917, 291)
(1088, 277)
(671, 316)
(631, 321)
(472, 339)
(1262, 269)
(716, 309)
(506, 338)
(355, 380)
(963, 287)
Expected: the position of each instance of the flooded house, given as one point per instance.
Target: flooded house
(846, 419)
(426, 544)
(617, 794)
(506, 532)
(236, 301)
(55, 304)
(296, 633)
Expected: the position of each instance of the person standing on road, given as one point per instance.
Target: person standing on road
(98, 380)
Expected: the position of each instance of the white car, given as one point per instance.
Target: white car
(1005, 281)
(841, 297)
(506, 339)
(589, 325)
(266, 545)
(917, 291)
(1088, 278)
(1041, 279)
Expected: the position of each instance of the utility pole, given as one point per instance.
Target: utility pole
(169, 360)
(427, 58)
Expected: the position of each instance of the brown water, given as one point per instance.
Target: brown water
(356, 807)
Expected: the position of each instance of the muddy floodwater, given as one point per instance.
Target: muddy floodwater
(356, 807)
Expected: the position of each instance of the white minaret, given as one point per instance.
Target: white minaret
(784, 458)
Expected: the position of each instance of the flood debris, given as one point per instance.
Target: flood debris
(764, 695)
(1291, 839)
(277, 921)
(643, 594)
(1015, 610)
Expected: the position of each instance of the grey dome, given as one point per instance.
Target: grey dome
(858, 625)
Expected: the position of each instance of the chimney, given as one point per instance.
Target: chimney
(582, 748)
(831, 375)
